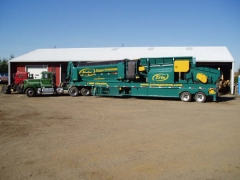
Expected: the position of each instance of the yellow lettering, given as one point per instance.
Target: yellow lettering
(106, 70)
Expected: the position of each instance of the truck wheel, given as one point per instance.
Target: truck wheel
(186, 97)
(30, 92)
(200, 97)
(73, 91)
(6, 90)
(19, 89)
(85, 92)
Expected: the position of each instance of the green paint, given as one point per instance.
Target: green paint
(158, 79)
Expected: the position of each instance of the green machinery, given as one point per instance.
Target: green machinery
(176, 77)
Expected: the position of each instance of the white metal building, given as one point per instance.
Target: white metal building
(47, 59)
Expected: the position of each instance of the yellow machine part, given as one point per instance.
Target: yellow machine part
(202, 77)
(211, 91)
(181, 66)
(141, 68)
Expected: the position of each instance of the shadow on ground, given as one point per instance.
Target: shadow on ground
(225, 98)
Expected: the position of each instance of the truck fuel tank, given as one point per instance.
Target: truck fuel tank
(61, 90)
(45, 90)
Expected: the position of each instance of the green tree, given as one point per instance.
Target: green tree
(4, 64)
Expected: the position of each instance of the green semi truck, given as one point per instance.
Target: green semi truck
(176, 77)
(44, 85)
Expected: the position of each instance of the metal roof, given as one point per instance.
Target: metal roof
(202, 54)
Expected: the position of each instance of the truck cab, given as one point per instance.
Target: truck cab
(44, 85)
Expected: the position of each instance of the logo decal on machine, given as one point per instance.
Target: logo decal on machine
(87, 72)
(160, 77)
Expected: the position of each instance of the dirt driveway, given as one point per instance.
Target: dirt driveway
(98, 138)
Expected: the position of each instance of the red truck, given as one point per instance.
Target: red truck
(18, 79)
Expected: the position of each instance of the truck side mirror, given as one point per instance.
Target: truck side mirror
(30, 76)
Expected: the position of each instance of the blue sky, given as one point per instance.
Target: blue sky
(26, 25)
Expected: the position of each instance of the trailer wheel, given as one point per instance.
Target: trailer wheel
(30, 92)
(186, 97)
(85, 92)
(73, 91)
(200, 97)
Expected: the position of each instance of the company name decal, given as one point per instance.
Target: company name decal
(160, 77)
(86, 72)
(106, 70)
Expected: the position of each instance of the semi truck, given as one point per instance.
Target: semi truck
(18, 81)
(175, 77)
(44, 85)
(24, 83)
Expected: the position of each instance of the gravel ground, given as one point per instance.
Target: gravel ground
(61, 137)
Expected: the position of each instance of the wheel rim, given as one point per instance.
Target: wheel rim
(30, 92)
(200, 97)
(85, 92)
(73, 92)
(185, 97)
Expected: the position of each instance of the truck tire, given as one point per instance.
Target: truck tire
(73, 91)
(30, 92)
(186, 96)
(200, 97)
(19, 89)
(6, 90)
(85, 92)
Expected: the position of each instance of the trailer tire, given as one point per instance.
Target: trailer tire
(200, 97)
(85, 92)
(73, 91)
(185, 97)
(30, 92)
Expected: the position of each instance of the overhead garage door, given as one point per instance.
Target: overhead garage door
(36, 70)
